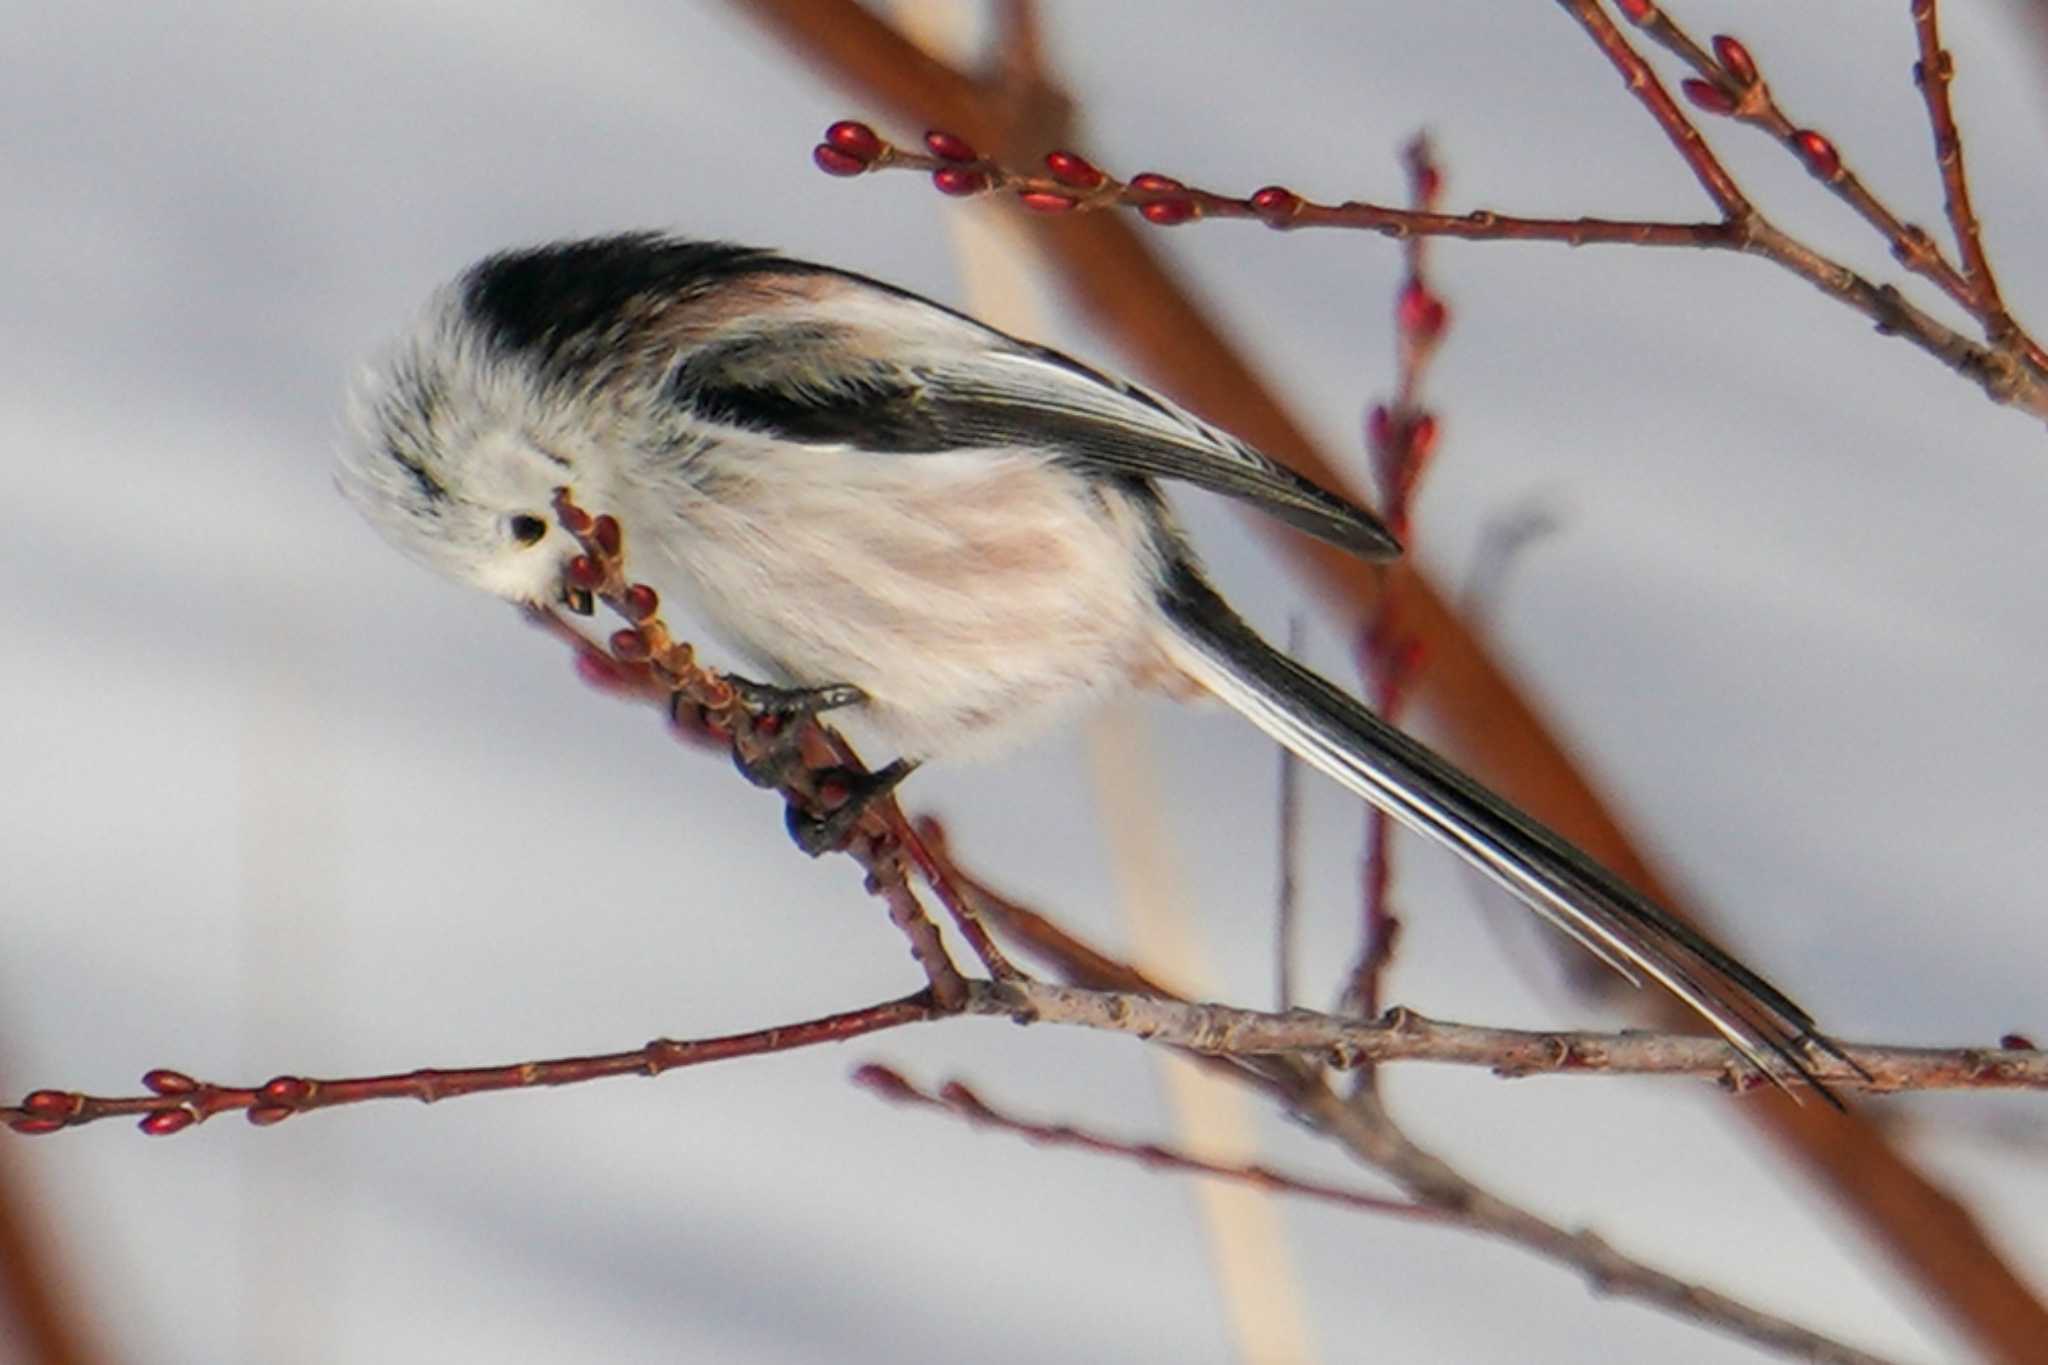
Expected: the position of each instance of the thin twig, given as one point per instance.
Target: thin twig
(956, 1098)
(1932, 73)
(1402, 1035)
(176, 1101)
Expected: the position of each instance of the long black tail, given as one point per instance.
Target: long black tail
(1333, 732)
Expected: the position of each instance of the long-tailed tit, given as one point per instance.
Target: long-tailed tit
(858, 486)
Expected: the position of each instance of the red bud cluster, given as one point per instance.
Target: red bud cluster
(1163, 212)
(848, 149)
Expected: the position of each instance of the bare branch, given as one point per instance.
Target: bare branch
(957, 1099)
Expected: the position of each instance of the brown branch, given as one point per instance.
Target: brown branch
(176, 1101)
(1121, 286)
(1080, 187)
(957, 1099)
(1401, 1035)
(1932, 73)
(959, 170)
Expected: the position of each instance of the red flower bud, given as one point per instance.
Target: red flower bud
(1638, 11)
(855, 139)
(1422, 437)
(1070, 168)
(1708, 96)
(605, 531)
(1275, 201)
(1419, 313)
(287, 1090)
(642, 602)
(1042, 201)
(165, 1122)
(629, 645)
(1155, 183)
(1167, 212)
(1819, 154)
(958, 182)
(164, 1081)
(949, 146)
(584, 573)
(832, 161)
(1734, 59)
(50, 1104)
(263, 1115)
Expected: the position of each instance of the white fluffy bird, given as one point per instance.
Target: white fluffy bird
(857, 486)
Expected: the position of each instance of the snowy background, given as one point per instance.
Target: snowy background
(272, 799)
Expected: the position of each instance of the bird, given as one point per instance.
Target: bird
(861, 489)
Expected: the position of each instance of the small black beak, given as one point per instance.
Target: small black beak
(578, 600)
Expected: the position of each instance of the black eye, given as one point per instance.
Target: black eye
(527, 530)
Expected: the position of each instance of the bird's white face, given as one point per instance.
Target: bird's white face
(511, 544)
(455, 462)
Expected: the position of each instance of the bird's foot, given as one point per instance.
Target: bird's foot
(845, 796)
(778, 714)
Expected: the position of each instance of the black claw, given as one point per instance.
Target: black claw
(779, 713)
(768, 700)
(819, 834)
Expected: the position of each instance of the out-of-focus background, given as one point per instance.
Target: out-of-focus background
(272, 799)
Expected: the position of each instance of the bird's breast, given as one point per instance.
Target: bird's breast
(974, 595)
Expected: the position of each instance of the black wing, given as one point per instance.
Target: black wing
(852, 376)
